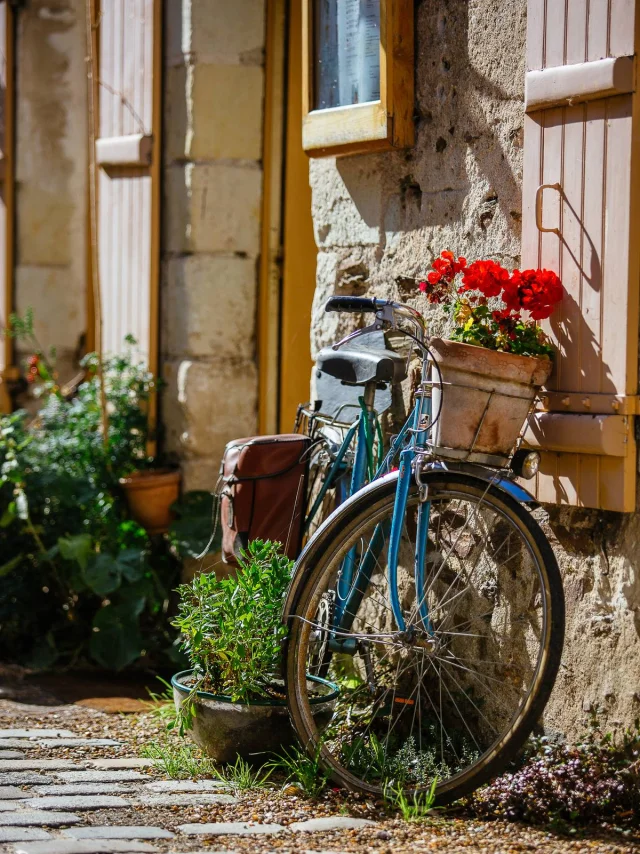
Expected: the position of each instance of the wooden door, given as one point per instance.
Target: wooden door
(128, 155)
(580, 218)
(299, 246)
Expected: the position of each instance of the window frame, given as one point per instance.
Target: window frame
(382, 125)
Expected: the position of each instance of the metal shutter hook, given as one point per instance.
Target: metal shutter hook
(539, 193)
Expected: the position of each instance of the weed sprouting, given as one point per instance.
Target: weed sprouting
(242, 776)
(301, 770)
(180, 761)
(415, 807)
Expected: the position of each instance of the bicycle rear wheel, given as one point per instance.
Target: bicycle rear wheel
(454, 698)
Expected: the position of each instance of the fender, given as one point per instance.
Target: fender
(306, 561)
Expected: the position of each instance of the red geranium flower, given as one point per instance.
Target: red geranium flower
(485, 276)
(535, 291)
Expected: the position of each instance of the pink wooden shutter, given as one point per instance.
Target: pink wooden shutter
(8, 371)
(128, 154)
(581, 145)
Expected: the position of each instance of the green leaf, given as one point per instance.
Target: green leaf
(116, 640)
(9, 515)
(78, 548)
(10, 565)
(103, 574)
(132, 563)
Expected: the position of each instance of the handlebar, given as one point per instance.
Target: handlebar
(353, 304)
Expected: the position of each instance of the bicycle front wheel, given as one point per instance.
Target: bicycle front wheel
(454, 696)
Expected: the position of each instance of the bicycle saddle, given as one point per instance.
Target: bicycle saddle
(359, 367)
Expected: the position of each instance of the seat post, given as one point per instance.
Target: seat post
(369, 395)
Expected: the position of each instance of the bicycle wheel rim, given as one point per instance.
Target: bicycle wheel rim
(520, 722)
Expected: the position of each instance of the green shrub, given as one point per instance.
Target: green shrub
(80, 580)
(232, 628)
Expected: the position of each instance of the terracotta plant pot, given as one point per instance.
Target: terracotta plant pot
(150, 495)
(487, 398)
(225, 730)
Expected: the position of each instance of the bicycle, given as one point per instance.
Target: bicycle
(433, 601)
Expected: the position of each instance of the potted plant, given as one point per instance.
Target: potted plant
(489, 370)
(232, 699)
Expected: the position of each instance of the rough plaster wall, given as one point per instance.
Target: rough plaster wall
(213, 185)
(51, 173)
(379, 218)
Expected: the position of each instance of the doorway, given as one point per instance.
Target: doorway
(289, 250)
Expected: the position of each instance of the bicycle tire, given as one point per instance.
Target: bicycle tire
(336, 535)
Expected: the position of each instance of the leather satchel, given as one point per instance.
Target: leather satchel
(263, 492)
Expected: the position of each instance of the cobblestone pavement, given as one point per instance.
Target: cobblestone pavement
(72, 782)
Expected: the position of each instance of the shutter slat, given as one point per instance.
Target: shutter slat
(598, 30)
(535, 33)
(576, 31)
(621, 30)
(554, 52)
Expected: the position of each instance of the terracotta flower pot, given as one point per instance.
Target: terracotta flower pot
(225, 730)
(486, 400)
(150, 495)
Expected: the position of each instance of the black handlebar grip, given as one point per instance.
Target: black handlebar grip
(354, 304)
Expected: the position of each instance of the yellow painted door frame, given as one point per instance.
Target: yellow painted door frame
(288, 246)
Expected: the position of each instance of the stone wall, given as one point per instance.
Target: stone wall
(51, 174)
(379, 221)
(211, 237)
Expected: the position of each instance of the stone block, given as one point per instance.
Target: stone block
(184, 786)
(78, 802)
(225, 209)
(229, 828)
(35, 733)
(212, 207)
(101, 776)
(63, 789)
(37, 818)
(37, 765)
(8, 806)
(122, 763)
(12, 793)
(78, 742)
(209, 306)
(183, 799)
(23, 778)
(118, 832)
(98, 846)
(214, 31)
(11, 754)
(330, 822)
(206, 404)
(23, 834)
(226, 105)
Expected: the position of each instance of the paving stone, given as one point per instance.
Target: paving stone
(178, 799)
(12, 793)
(19, 743)
(185, 786)
(77, 846)
(36, 733)
(223, 828)
(118, 832)
(23, 834)
(28, 818)
(37, 765)
(122, 763)
(62, 789)
(330, 822)
(78, 742)
(11, 754)
(7, 806)
(78, 802)
(22, 778)
(101, 776)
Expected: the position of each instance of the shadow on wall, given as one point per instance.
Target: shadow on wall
(465, 160)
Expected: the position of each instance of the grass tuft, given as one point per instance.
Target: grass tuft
(301, 770)
(180, 761)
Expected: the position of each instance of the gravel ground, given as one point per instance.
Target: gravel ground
(447, 834)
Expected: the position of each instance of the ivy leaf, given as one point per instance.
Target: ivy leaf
(103, 574)
(77, 548)
(132, 563)
(116, 640)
